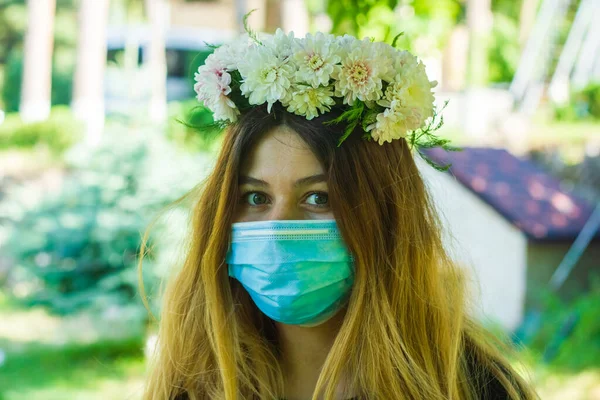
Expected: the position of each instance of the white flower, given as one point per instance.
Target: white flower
(346, 43)
(411, 88)
(309, 101)
(395, 123)
(230, 54)
(317, 58)
(212, 87)
(281, 44)
(358, 77)
(386, 57)
(265, 77)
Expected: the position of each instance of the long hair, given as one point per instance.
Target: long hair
(406, 333)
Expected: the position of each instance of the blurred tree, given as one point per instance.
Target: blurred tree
(357, 17)
(13, 24)
(504, 51)
(527, 18)
(157, 14)
(37, 65)
(273, 17)
(426, 21)
(88, 90)
(480, 22)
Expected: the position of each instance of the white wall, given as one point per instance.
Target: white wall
(480, 238)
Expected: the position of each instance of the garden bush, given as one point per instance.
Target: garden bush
(584, 105)
(570, 349)
(59, 132)
(77, 249)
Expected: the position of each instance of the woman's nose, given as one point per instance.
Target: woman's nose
(285, 210)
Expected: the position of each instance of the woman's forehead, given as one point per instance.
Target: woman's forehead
(280, 151)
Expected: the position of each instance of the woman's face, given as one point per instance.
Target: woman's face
(281, 179)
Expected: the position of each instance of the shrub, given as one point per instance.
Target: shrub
(577, 348)
(584, 105)
(77, 249)
(59, 132)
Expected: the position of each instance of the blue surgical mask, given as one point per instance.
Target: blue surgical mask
(297, 272)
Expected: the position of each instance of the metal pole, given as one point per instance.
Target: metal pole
(576, 251)
(585, 64)
(534, 45)
(559, 86)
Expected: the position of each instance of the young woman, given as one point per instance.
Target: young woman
(315, 268)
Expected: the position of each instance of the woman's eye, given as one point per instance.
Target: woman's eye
(318, 199)
(256, 199)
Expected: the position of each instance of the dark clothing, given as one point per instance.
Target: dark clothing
(491, 389)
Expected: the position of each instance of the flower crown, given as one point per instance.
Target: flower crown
(385, 90)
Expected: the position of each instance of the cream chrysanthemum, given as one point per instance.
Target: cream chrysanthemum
(411, 89)
(281, 44)
(395, 123)
(358, 77)
(212, 87)
(309, 101)
(317, 58)
(230, 54)
(266, 78)
(310, 75)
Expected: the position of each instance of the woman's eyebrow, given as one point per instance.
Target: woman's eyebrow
(308, 180)
(248, 180)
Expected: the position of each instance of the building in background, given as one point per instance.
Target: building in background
(512, 223)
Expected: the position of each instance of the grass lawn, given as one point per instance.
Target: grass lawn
(103, 371)
(37, 362)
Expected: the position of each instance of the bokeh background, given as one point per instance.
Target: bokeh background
(96, 136)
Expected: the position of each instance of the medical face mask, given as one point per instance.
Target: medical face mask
(297, 272)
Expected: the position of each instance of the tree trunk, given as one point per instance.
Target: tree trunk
(88, 86)
(274, 15)
(157, 12)
(36, 82)
(295, 17)
(527, 19)
(479, 21)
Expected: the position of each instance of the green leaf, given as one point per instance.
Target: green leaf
(398, 36)
(212, 46)
(253, 35)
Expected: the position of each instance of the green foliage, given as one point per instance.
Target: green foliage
(62, 81)
(584, 105)
(11, 86)
(252, 34)
(423, 138)
(59, 132)
(508, 8)
(363, 18)
(504, 51)
(581, 348)
(73, 371)
(430, 20)
(195, 59)
(191, 126)
(77, 248)
(351, 117)
(13, 23)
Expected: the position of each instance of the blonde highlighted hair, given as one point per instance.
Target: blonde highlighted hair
(406, 333)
